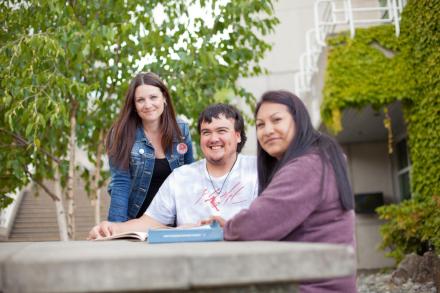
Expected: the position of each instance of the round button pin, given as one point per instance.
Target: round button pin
(141, 151)
(182, 148)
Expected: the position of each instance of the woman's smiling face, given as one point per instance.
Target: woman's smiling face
(149, 102)
(275, 128)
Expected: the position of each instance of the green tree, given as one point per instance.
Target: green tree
(65, 65)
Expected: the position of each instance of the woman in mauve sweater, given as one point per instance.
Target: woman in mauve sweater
(304, 191)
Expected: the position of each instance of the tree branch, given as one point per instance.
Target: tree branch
(23, 142)
(44, 187)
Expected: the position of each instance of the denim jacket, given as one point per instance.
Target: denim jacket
(128, 188)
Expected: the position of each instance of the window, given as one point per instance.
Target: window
(403, 169)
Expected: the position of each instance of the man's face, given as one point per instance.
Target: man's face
(219, 140)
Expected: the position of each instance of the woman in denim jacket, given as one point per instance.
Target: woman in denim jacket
(144, 145)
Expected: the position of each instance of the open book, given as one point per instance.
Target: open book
(134, 236)
(212, 232)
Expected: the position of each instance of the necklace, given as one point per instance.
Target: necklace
(224, 181)
(156, 143)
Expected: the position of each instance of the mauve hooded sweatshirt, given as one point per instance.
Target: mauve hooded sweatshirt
(301, 204)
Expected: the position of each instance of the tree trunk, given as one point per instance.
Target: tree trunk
(71, 174)
(98, 206)
(61, 215)
(96, 190)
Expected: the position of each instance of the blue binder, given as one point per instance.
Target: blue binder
(212, 232)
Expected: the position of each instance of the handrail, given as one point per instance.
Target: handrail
(323, 20)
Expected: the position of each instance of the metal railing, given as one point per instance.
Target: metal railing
(330, 15)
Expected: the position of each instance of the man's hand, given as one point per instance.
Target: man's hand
(141, 224)
(211, 219)
(104, 229)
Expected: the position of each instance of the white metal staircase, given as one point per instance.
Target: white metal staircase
(331, 16)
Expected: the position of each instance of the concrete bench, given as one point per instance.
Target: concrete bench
(81, 266)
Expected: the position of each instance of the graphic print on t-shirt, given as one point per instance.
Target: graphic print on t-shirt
(216, 200)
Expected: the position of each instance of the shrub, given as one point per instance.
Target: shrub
(412, 226)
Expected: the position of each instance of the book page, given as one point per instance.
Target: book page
(140, 236)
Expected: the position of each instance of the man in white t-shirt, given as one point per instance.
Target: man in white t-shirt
(221, 184)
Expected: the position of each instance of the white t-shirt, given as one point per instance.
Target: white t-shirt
(188, 193)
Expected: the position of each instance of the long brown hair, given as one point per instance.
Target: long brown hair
(121, 136)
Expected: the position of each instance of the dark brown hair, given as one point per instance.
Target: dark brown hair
(306, 140)
(230, 112)
(121, 136)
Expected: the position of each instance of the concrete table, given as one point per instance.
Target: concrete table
(81, 266)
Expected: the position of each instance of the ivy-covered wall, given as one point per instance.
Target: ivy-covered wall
(421, 52)
(366, 70)
(377, 68)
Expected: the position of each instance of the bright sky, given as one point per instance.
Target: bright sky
(194, 11)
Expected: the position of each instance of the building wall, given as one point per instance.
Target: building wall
(370, 170)
(288, 41)
(368, 238)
